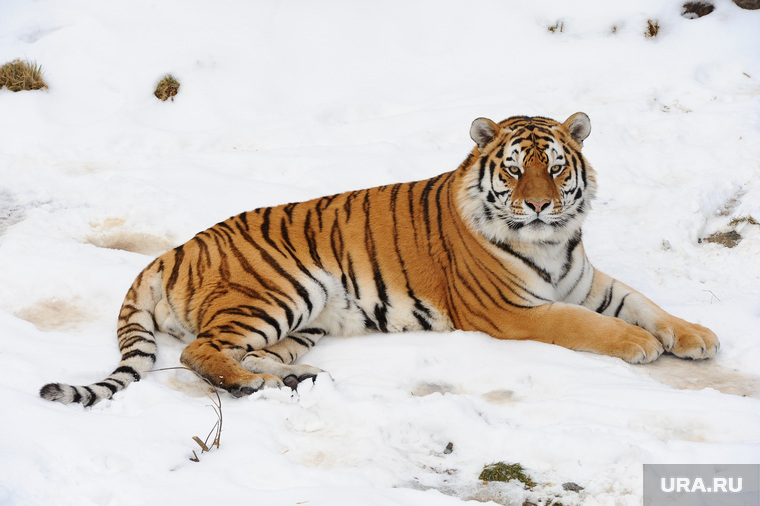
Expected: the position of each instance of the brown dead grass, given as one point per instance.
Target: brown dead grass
(167, 88)
(20, 75)
(693, 10)
(653, 28)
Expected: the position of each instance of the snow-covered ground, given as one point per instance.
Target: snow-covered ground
(285, 100)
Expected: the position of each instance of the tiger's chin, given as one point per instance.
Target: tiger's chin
(539, 231)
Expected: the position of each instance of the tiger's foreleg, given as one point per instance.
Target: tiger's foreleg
(684, 339)
(578, 328)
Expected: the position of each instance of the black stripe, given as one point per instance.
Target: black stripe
(381, 317)
(606, 301)
(109, 386)
(270, 352)
(302, 341)
(179, 254)
(527, 261)
(446, 180)
(246, 331)
(264, 228)
(571, 245)
(482, 173)
(288, 209)
(311, 241)
(138, 353)
(127, 370)
(128, 310)
(336, 243)
(289, 316)
(118, 382)
(286, 237)
(422, 320)
(620, 306)
(132, 327)
(313, 331)
(229, 344)
(347, 204)
(243, 217)
(424, 198)
(352, 277)
(412, 209)
(322, 206)
(130, 341)
(93, 398)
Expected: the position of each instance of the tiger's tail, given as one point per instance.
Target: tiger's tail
(137, 343)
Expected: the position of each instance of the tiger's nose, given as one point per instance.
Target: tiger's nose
(538, 205)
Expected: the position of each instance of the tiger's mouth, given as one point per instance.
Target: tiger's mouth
(538, 223)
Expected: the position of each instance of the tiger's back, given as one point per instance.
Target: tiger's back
(346, 264)
(493, 246)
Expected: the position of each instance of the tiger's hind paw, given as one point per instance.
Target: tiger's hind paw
(253, 384)
(263, 365)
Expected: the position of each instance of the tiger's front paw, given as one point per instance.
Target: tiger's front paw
(687, 340)
(636, 346)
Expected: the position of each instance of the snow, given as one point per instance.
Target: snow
(283, 101)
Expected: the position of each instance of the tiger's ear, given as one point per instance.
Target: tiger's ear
(482, 131)
(578, 126)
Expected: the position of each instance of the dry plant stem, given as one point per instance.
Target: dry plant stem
(217, 405)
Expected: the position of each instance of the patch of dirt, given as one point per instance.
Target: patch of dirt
(500, 396)
(423, 389)
(111, 234)
(728, 239)
(687, 374)
(55, 314)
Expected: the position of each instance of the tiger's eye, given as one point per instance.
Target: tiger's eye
(556, 169)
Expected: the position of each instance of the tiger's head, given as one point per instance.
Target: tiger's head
(526, 180)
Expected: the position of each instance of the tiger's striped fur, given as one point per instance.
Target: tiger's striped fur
(493, 246)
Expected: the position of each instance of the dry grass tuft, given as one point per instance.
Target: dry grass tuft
(743, 219)
(216, 430)
(693, 10)
(167, 88)
(653, 28)
(559, 26)
(21, 75)
(506, 472)
(731, 238)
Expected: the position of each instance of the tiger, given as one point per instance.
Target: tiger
(493, 247)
